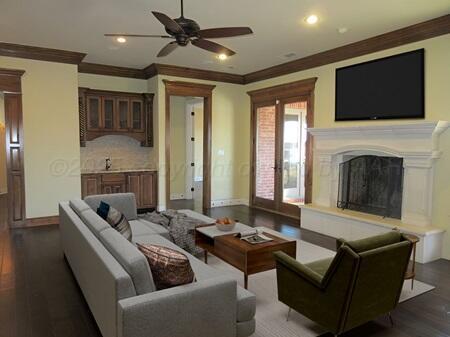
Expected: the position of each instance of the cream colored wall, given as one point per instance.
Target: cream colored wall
(3, 177)
(437, 107)
(112, 83)
(198, 143)
(177, 146)
(230, 141)
(51, 135)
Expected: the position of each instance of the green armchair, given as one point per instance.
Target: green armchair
(362, 282)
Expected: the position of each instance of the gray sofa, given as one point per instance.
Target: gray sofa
(117, 283)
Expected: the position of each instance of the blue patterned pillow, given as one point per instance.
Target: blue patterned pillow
(116, 219)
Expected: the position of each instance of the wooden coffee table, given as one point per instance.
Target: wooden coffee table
(248, 258)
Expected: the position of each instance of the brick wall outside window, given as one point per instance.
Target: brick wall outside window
(265, 153)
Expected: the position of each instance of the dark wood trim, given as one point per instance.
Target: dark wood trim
(10, 80)
(209, 75)
(421, 31)
(287, 90)
(41, 54)
(108, 70)
(177, 88)
(41, 221)
(278, 96)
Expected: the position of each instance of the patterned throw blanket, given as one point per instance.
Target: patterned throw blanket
(181, 228)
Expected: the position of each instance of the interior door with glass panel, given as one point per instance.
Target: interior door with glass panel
(265, 156)
(293, 131)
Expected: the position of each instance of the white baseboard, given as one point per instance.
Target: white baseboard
(177, 196)
(229, 202)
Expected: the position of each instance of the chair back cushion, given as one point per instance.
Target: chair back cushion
(374, 242)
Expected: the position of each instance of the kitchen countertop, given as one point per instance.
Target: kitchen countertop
(93, 171)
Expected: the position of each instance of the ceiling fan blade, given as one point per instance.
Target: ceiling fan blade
(138, 35)
(168, 48)
(168, 22)
(212, 47)
(215, 33)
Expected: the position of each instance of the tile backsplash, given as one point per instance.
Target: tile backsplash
(125, 153)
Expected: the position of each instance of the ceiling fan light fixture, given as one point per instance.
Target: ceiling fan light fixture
(312, 19)
(121, 39)
(222, 56)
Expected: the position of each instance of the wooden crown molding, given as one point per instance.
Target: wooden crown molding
(103, 69)
(421, 31)
(41, 54)
(11, 72)
(11, 80)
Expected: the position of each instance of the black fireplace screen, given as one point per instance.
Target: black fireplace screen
(372, 184)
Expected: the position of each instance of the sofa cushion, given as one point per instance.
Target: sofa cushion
(246, 305)
(124, 202)
(131, 259)
(169, 267)
(158, 229)
(138, 229)
(94, 222)
(374, 242)
(116, 219)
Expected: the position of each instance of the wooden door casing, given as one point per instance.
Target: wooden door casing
(10, 84)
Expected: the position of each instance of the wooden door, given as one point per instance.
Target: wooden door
(90, 185)
(265, 154)
(94, 122)
(123, 115)
(14, 159)
(134, 186)
(108, 113)
(148, 190)
(137, 115)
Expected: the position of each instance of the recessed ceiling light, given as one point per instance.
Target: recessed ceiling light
(312, 19)
(342, 30)
(121, 39)
(222, 57)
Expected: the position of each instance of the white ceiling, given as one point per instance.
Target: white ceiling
(278, 27)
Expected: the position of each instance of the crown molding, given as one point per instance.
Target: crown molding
(421, 31)
(417, 32)
(108, 70)
(41, 54)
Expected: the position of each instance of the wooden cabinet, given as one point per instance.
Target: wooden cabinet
(115, 113)
(142, 184)
(144, 187)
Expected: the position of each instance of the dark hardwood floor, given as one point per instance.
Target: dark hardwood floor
(39, 296)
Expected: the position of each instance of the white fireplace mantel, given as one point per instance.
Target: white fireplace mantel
(416, 142)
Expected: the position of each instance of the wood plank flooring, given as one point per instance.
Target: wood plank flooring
(39, 296)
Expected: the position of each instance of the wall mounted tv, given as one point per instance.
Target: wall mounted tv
(390, 87)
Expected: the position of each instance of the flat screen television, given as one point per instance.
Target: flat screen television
(390, 87)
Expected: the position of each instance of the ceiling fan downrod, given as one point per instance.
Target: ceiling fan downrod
(182, 9)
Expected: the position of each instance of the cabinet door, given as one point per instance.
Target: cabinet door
(113, 183)
(137, 115)
(148, 190)
(93, 113)
(108, 113)
(123, 115)
(134, 186)
(90, 185)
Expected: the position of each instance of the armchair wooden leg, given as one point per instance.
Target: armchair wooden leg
(287, 317)
(391, 320)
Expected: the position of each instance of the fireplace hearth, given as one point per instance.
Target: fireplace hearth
(371, 184)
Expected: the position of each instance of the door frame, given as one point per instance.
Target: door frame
(189, 89)
(300, 90)
(11, 86)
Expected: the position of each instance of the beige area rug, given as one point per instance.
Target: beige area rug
(271, 314)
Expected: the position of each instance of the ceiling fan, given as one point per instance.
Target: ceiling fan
(185, 30)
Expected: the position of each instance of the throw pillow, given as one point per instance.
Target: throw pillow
(116, 219)
(169, 267)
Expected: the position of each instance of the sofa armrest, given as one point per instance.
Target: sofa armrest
(300, 269)
(200, 309)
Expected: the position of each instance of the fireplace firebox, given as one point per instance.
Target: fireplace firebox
(372, 184)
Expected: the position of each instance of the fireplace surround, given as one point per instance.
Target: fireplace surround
(415, 144)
